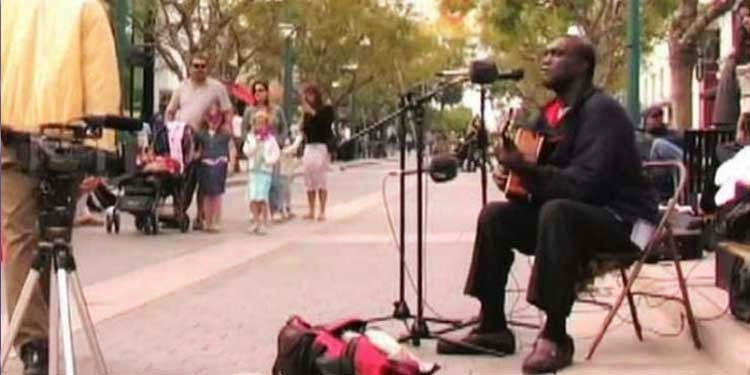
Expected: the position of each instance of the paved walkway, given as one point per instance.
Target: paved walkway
(212, 304)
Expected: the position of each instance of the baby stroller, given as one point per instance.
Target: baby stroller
(146, 194)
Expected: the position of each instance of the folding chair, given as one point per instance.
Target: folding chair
(662, 236)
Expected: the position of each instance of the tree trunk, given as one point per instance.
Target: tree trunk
(682, 60)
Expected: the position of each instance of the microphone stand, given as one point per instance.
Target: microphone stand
(408, 102)
(419, 328)
(483, 144)
(400, 307)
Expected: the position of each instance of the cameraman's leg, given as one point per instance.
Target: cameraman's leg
(19, 226)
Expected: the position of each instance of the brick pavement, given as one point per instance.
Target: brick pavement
(225, 321)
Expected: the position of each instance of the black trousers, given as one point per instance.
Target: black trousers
(562, 234)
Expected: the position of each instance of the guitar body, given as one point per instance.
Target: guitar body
(529, 144)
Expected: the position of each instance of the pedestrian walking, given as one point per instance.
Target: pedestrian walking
(316, 126)
(189, 104)
(262, 153)
(214, 146)
(279, 129)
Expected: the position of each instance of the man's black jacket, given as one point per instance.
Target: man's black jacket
(591, 157)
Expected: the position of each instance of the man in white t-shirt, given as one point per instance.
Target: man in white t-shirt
(188, 104)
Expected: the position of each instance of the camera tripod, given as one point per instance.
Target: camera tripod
(55, 253)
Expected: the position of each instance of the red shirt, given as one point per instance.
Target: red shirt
(554, 111)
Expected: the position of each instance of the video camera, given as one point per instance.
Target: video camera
(62, 148)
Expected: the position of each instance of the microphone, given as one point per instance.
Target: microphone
(113, 122)
(482, 72)
(485, 71)
(442, 168)
(514, 75)
(450, 73)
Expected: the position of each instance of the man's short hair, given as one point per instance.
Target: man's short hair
(585, 51)
(199, 56)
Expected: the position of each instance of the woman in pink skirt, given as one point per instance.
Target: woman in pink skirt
(316, 127)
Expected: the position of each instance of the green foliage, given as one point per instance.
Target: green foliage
(455, 119)
(452, 95)
(233, 33)
(390, 50)
(518, 31)
(457, 6)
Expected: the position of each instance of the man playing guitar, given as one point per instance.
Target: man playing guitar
(585, 195)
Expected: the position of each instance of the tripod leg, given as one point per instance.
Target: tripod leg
(20, 311)
(65, 325)
(54, 326)
(88, 324)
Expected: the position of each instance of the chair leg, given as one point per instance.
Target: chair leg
(631, 304)
(683, 288)
(616, 305)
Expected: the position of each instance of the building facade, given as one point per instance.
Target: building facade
(655, 79)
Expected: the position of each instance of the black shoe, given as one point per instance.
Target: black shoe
(493, 343)
(34, 357)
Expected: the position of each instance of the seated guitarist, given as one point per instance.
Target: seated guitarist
(587, 192)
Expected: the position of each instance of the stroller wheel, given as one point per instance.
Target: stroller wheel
(154, 219)
(148, 226)
(140, 223)
(184, 224)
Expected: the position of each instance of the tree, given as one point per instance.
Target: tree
(689, 22)
(235, 33)
(450, 120)
(390, 51)
(518, 31)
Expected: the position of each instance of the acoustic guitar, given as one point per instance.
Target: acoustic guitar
(529, 143)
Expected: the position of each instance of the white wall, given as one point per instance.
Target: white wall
(654, 79)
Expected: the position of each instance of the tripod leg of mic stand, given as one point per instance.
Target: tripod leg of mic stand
(65, 325)
(19, 312)
(88, 324)
(54, 326)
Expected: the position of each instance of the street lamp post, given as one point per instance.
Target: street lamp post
(634, 67)
(352, 69)
(287, 30)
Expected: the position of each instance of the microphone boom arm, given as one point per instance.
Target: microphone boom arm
(442, 86)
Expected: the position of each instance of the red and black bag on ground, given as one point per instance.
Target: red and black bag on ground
(320, 350)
